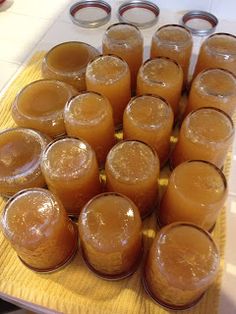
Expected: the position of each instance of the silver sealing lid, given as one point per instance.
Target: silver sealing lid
(143, 14)
(200, 23)
(90, 14)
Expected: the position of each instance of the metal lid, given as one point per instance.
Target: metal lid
(90, 14)
(200, 23)
(140, 13)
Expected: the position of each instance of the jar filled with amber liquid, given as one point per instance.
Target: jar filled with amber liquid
(110, 231)
(21, 150)
(213, 88)
(40, 106)
(36, 224)
(163, 77)
(67, 62)
(175, 42)
(182, 264)
(149, 118)
(126, 41)
(89, 116)
(109, 75)
(70, 169)
(132, 168)
(196, 192)
(217, 51)
(205, 134)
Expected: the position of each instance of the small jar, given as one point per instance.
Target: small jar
(132, 168)
(70, 169)
(89, 116)
(213, 88)
(40, 106)
(20, 153)
(35, 223)
(67, 62)
(149, 118)
(110, 231)
(196, 193)
(110, 76)
(205, 134)
(181, 265)
(163, 77)
(126, 41)
(217, 51)
(175, 42)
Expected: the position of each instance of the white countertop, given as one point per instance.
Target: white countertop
(30, 25)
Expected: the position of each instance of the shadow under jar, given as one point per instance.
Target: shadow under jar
(149, 118)
(126, 41)
(40, 106)
(36, 224)
(110, 231)
(20, 154)
(213, 88)
(182, 264)
(196, 192)
(70, 169)
(163, 77)
(89, 116)
(67, 62)
(132, 168)
(109, 75)
(217, 51)
(205, 134)
(175, 42)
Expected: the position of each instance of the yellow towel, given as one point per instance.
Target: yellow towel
(75, 289)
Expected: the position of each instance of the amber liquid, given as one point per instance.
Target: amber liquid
(89, 116)
(206, 134)
(110, 76)
(218, 51)
(182, 263)
(196, 193)
(20, 153)
(38, 229)
(132, 169)
(213, 88)
(71, 171)
(110, 234)
(67, 62)
(174, 42)
(149, 119)
(125, 41)
(161, 77)
(40, 106)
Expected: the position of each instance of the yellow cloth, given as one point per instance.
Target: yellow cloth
(75, 289)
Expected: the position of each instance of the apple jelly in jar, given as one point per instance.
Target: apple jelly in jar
(111, 236)
(213, 88)
(175, 42)
(150, 119)
(20, 153)
(217, 51)
(70, 169)
(40, 106)
(36, 224)
(89, 116)
(132, 168)
(163, 77)
(126, 41)
(196, 193)
(67, 62)
(205, 134)
(109, 75)
(182, 264)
